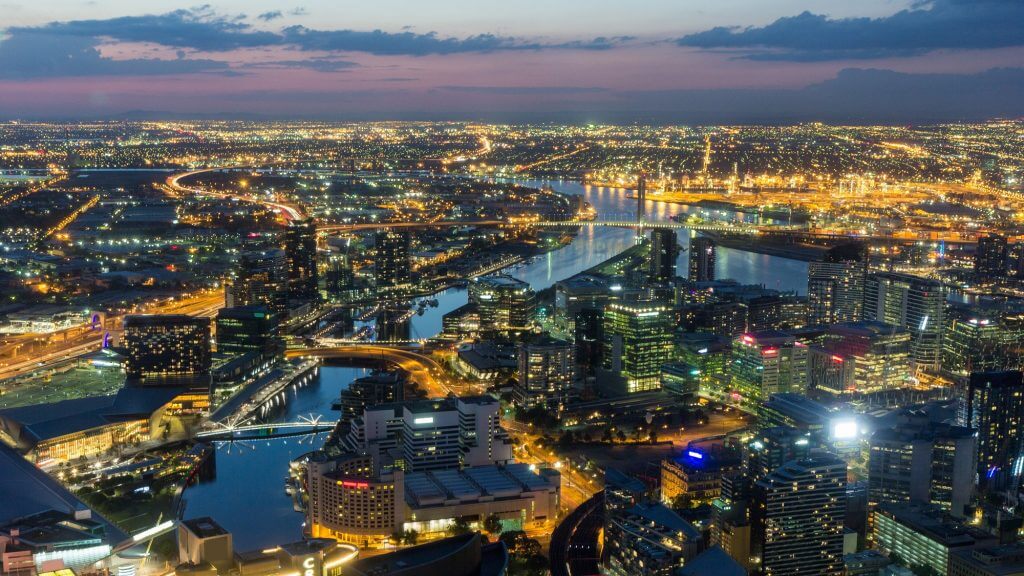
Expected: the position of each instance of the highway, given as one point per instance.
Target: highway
(288, 211)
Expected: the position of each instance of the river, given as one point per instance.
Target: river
(248, 498)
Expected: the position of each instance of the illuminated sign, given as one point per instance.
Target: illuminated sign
(844, 429)
(424, 420)
(308, 566)
(694, 454)
(357, 485)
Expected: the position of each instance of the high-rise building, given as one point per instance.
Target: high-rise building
(981, 340)
(835, 285)
(637, 341)
(702, 259)
(546, 373)
(993, 404)
(368, 391)
(861, 358)
(581, 292)
(164, 348)
(433, 434)
(773, 446)
(260, 280)
(710, 355)
(797, 516)
(990, 258)
(766, 363)
(300, 249)
(340, 277)
(920, 461)
(505, 304)
(911, 302)
(248, 330)
(588, 332)
(391, 261)
(664, 251)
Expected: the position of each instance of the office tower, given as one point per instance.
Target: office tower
(910, 302)
(433, 434)
(982, 340)
(681, 380)
(248, 330)
(300, 250)
(637, 341)
(993, 404)
(702, 259)
(340, 277)
(163, 348)
(766, 363)
(835, 285)
(368, 391)
(504, 303)
(391, 261)
(649, 540)
(710, 355)
(797, 513)
(772, 447)
(578, 293)
(861, 358)
(260, 280)
(588, 332)
(920, 461)
(546, 373)
(664, 251)
(990, 258)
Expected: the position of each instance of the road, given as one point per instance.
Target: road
(288, 211)
(423, 370)
(574, 549)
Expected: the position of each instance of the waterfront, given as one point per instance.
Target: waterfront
(257, 469)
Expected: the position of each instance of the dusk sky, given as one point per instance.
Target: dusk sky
(517, 60)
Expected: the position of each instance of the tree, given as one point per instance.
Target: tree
(620, 435)
(460, 526)
(492, 524)
(682, 501)
(924, 570)
(410, 537)
(606, 436)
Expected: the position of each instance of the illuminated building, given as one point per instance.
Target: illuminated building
(978, 340)
(835, 285)
(919, 461)
(392, 266)
(462, 555)
(434, 434)
(766, 363)
(797, 515)
(637, 341)
(681, 380)
(860, 358)
(486, 361)
(696, 476)
(774, 446)
(248, 330)
(260, 280)
(664, 252)
(546, 373)
(911, 302)
(993, 404)
(924, 535)
(360, 499)
(339, 277)
(730, 520)
(362, 393)
(163, 348)
(990, 258)
(577, 294)
(649, 540)
(300, 250)
(461, 323)
(710, 355)
(702, 259)
(504, 303)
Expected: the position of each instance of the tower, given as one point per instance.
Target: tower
(300, 251)
(702, 259)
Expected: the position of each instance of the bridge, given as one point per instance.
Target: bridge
(642, 225)
(421, 369)
(232, 431)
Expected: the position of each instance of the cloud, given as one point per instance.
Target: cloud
(316, 64)
(27, 55)
(272, 15)
(926, 26)
(525, 90)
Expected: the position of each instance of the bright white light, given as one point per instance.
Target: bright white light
(844, 429)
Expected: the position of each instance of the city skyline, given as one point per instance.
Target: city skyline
(662, 62)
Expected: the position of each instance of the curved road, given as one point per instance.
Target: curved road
(422, 369)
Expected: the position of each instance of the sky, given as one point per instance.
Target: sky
(659, 61)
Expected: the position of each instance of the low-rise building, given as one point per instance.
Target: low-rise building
(925, 535)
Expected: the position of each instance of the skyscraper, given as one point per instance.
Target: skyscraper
(637, 341)
(797, 516)
(980, 340)
(993, 404)
(664, 252)
(300, 249)
(766, 363)
(166, 348)
(260, 280)
(505, 304)
(702, 259)
(248, 330)
(990, 258)
(861, 357)
(392, 264)
(546, 373)
(911, 302)
(923, 462)
(835, 285)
